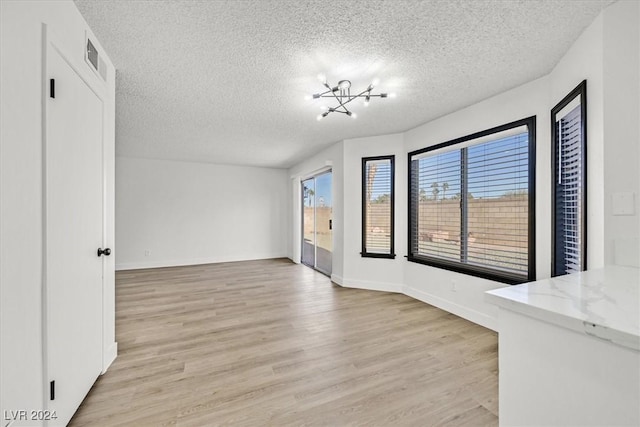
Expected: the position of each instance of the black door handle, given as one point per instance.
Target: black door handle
(105, 251)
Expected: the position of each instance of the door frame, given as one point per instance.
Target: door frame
(302, 223)
(51, 41)
(313, 175)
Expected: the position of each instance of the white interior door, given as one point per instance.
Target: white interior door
(74, 232)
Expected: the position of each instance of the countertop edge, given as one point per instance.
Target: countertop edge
(601, 332)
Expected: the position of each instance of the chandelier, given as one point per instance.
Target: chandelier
(341, 93)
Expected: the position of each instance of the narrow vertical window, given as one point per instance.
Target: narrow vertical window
(377, 207)
(569, 135)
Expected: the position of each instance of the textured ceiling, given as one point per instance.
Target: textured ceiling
(225, 81)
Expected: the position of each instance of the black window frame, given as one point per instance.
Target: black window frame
(364, 253)
(474, 270)
(578, 91)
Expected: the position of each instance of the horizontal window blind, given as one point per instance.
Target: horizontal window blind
(470, 205)
(438, 205)
(497, 213)
(568, 189)
(377, 207)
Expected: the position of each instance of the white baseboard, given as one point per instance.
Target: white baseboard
(138, 265)
(337, 279)
(367, 284)
(453, 308)
(109, 356)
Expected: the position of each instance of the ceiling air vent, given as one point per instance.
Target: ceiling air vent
(95, 61)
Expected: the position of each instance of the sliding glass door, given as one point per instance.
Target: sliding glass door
(317, 222)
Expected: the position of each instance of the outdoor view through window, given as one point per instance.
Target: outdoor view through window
(470, 204)
(377, 207)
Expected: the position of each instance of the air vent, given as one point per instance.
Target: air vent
(95, 61)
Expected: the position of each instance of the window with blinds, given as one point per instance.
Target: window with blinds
(472, 203)
(569, 173)
(377, 207)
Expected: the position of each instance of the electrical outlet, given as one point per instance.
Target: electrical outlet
(147, 252)
(453, 286)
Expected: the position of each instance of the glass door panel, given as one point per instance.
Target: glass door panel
(308, 223)
(317, 222)
(324, 220)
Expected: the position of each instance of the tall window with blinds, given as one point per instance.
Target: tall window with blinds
(472, 203)
(569, 136)
(377, 207)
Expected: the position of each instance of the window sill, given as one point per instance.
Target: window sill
(472, 270)
(374, 255)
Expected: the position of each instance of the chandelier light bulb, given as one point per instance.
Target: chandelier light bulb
(354, 116)
(392, 95)
(322, 78)
(320, 117)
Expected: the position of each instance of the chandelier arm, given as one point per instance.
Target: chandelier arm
(343, 97)
(337, 99)
(361, 94)
(351, 99)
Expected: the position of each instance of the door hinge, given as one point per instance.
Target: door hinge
(52, 88)
(52, 390)
(330, 224)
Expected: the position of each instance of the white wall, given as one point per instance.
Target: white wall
(607, 56)
(584, 61)
(621, 61)
(462, 294)
(186, 213)
(21, 190)
(372, 273)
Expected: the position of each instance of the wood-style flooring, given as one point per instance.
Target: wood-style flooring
(274, 343)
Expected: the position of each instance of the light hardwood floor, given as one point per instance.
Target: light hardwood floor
(274, 343)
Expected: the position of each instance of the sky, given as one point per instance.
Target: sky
(495, 168)
(321, 188)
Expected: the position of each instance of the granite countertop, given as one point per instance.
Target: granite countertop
(604, 303)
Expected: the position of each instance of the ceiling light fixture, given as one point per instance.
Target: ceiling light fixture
(342, 93)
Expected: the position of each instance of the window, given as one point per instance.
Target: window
(569, 136)
(377, 207)
(472, 203)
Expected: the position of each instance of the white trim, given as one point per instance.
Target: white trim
(453, 308)
(109, 356)
(195, 261)
(337, 279)
(328, 165)
(367, 284)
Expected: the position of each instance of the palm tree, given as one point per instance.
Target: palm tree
(435, 190)
(308, 194)
(445, 187)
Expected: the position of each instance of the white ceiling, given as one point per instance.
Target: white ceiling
(225, 81)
